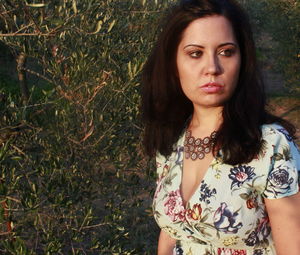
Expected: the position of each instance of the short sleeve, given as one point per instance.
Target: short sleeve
(282, 180)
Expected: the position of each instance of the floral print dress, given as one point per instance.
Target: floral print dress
(226, 215)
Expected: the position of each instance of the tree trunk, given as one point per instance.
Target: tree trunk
(21, 62)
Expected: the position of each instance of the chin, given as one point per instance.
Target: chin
(211, 103)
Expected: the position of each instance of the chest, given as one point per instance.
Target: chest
(193, 172)
(225, 202)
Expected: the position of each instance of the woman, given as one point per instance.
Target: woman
(227, 169)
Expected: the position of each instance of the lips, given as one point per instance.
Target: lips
(212, 87)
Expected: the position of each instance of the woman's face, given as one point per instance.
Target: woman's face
(208, 61)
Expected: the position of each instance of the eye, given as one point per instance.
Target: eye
(196, 54)
(227, 52)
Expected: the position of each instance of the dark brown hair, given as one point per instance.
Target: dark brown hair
(166, 109)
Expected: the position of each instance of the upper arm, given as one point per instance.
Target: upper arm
(166, 244)
(282, 176)
(284, 215)
(281, 194)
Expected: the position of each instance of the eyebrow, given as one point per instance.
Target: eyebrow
(221, 45)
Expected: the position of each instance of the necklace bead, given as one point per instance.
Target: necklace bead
(196, 148)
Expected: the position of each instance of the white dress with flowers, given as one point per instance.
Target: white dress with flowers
(226, 215)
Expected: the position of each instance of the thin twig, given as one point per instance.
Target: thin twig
(19, 150)
(38, 75)
(29, 25)
(5, 233)
(35, 105)
(13, 199)
(95, 226)
(131, 11)
(26, 34)
(27, 13)
(6, 12)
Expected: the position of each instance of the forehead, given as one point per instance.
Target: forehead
(210, 29)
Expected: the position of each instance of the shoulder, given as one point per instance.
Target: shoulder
(276, 139)
(276, 135)
(275, 130)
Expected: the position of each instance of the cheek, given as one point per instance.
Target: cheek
(184, 74)
(184, 68)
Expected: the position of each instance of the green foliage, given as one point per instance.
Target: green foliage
(277, 26)
(73, 177)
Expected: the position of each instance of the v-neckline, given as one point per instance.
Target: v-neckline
(185, 203)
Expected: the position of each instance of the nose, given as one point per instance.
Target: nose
(213, 66)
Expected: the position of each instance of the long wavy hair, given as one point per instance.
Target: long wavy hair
(166, 109)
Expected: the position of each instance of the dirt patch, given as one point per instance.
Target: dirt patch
(288, 108)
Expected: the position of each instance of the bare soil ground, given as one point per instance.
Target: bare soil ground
(289, 108)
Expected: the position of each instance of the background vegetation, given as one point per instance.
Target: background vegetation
(73, 177)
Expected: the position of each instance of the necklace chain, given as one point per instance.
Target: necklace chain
(196, 148)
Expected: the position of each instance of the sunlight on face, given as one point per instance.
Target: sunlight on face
(208, 61)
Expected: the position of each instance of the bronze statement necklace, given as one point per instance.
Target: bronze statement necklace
(196, 148)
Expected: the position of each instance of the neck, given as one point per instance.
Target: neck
(205, 121)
